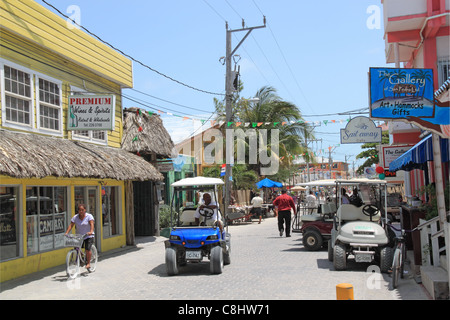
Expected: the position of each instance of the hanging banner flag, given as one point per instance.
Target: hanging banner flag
(222, 170)
(360, 130)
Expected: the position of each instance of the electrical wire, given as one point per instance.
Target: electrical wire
(107, 90)
(284, 58)
(130, 57)
(167, 101)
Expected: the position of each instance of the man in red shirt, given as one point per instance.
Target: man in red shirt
(284, 203)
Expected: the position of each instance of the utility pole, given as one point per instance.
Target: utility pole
(307, 133)
(228, 103)
(330, 161)
(346, 171)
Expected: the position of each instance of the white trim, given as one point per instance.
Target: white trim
(38, 106)
(11, 124)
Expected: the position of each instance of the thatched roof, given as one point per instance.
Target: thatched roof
(24, 155)
(145, 134)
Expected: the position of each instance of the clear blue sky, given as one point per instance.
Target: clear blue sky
(315, 53)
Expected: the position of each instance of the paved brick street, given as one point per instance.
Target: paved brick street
(264, 266)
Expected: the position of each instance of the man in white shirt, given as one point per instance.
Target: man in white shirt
(311, 201)
(257, 202)
(208, 208)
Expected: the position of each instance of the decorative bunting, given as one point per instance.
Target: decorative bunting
(248, 124)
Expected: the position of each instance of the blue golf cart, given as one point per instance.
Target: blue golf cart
(192, 240)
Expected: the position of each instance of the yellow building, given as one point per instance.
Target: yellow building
(48, 165)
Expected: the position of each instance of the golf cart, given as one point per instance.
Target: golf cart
(315, 220)
(358, 231)
(189, 242)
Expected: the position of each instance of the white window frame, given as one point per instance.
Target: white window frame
(35, 104)
(90, 137)
(40, 103)
(8, 123)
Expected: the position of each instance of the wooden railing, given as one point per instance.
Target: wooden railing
(430, 232)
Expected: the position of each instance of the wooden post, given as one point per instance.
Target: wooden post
(129, 213)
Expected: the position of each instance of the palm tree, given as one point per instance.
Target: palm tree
(385, 77)
(272, 113)
(422, 76)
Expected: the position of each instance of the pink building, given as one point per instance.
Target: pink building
(417, 35)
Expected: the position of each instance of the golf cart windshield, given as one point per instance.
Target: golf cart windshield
(200, 186)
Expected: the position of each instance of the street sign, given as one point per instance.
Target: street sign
(398, 93)
(360, 130)
(91, 112)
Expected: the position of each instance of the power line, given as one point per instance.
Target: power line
(284, 58)
(346, 113)
(130, 57)
(167, 101)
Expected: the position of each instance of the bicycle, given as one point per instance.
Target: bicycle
(398, 261)
(77, 256)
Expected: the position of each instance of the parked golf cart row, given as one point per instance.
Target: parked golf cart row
(349, 230)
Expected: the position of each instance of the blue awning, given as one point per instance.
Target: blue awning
(417, 156)
(268, 184)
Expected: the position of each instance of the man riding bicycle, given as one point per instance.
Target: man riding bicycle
(84, 223)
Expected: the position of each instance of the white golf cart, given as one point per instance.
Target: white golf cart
(360, 231)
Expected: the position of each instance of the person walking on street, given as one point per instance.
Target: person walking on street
(284, 203)
(257, 202)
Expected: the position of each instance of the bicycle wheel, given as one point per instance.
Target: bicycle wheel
(94, 258)
(402, 259)
(72, 264)
(396, 267)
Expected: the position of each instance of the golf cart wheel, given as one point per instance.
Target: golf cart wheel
(330, 251)
(216, 263)
(171, 261)
(386, 257)
(340, 257)
(312, 240)
(226, 258)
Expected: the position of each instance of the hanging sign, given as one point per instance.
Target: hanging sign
(360, 130)
(91, 112)
(397, 93)
(390, 153)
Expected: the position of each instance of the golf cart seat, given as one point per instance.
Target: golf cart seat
(311, 217)
(187, 217)
(349, 212)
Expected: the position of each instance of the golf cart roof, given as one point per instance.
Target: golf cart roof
(360, 181)
(197, 181)
(333, 182)
(325, 182)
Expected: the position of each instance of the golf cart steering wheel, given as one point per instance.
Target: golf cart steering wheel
(206, 212)
(370, 210)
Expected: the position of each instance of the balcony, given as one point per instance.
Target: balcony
(405, 22)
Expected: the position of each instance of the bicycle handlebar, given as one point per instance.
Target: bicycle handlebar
(392, 227)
